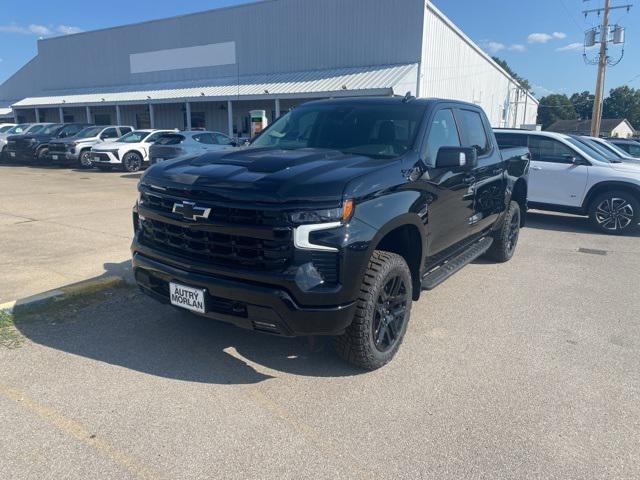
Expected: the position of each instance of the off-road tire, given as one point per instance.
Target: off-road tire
(505, 239)
(630, 211)
(42, 155)
(131, 162)
(357, 345)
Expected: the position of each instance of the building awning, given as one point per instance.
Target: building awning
(377, 80)
(6, 112)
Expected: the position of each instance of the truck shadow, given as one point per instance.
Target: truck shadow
(121, 326)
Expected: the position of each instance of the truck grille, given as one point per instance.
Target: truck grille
(57, 148)
(220, 213)
(218, 248)
(18, 144)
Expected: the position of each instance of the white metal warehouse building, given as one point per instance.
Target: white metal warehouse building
(209, 69)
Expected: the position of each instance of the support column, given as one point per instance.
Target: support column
(152, 120)
(61, 114)
(187, 108)
(277, 108)
(15, 115)
(118, 116)
(88, 111)
(37, 110)
(230, 117)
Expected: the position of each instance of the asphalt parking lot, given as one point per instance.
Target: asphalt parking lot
(529, 369)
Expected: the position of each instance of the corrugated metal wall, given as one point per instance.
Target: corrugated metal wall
(271, 36)
(454, 68)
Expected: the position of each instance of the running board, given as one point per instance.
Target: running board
(435, 277)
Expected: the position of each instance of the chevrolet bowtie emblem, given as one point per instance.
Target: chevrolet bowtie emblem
(190, 211)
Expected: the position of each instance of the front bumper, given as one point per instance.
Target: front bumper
(105, 158)
(245, 304)
(20, 154)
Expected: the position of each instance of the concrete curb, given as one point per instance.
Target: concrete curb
(59, 294)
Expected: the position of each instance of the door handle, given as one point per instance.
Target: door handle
(536, 168)
(470, 179)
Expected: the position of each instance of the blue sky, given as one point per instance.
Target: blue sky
(537, 38)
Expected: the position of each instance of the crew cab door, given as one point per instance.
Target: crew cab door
(554, 177)
(449, 190)
(487, 177)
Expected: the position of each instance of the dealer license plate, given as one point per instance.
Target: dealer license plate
(187, 297)
(13, 154)
(55, 157)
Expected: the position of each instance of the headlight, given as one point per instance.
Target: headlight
(341, 214)
(316, 220)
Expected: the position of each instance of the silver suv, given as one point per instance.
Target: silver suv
(77, 149)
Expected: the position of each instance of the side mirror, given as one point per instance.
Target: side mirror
(456, 157)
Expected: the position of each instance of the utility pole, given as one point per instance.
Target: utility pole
(603, 60)
(596, 117)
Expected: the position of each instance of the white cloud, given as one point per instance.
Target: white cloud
(495, 47)
(67, 30)
(540, 37)
(39, 30)
(571, 46)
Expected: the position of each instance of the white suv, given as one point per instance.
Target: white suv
(567, 175)
(130, 151)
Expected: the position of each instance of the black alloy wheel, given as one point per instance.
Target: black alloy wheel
(390, 313)
(132, 162)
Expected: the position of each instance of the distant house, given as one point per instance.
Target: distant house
(610, 127)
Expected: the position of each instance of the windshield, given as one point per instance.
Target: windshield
(89, 132)
(49, 129)
(588, 149)
(134, 137)
(600, 148)
(614, 148)
(34, 129)
(377, 131)
(18, 128)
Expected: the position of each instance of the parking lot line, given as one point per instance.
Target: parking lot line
(79, 432)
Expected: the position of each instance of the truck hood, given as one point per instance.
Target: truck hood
(73, 140)
(267, 175)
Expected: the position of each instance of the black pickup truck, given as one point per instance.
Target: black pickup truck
(31, 147)
(333, 220)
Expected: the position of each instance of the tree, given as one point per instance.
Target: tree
(623, 102)
(583, 103)
(523, 81)
(555, 107)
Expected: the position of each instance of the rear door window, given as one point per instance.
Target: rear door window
(205, 138)
(476, 135)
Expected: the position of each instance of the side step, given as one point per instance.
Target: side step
(435, 277)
